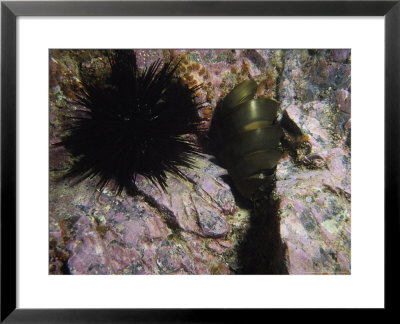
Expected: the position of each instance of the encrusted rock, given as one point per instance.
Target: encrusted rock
(196, 226)
(314, 192)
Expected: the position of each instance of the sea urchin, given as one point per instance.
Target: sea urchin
(135, 122)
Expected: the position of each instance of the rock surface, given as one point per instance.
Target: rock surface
(314, 187)
(199, 226)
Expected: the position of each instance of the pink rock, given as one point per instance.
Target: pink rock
(224, 243)
(340, 55)
(314, 211)
(211, 223)
(58, 156)
(119, 217)
(155, 227)
(344, 261)
(214, 246)
(343, 100)
(299, 261)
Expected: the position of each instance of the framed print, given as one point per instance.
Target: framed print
(164, 158)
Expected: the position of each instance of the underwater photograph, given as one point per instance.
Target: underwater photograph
(200, 161)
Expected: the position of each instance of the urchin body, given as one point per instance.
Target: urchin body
(135, 122)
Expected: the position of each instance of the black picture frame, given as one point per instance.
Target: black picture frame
(10, 10)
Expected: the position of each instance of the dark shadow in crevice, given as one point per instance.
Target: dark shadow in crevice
(65, 269)
(240, 202)
(262, 251)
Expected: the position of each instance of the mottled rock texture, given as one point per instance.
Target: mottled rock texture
(202, 226)
(313, 182)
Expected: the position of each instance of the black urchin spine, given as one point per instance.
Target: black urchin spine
(135, 122)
